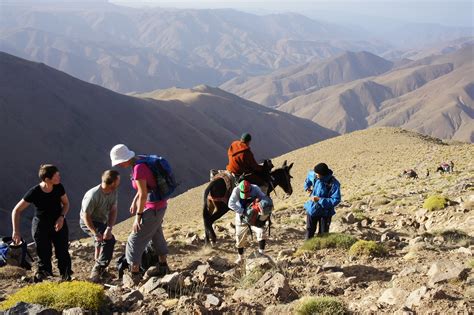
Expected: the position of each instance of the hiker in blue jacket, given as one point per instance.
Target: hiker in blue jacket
(325, 196)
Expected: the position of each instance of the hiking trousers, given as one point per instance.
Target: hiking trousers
(151, 230)
(244, 233)
(45, 238)
(321, 222)
(106, 247)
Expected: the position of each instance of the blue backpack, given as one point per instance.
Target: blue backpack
(165, 180)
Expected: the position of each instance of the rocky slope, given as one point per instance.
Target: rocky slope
(428, 267)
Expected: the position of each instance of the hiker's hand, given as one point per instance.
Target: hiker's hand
(136, 224)
(108, 234)
(133, 208)
(16, 237)
(59, 224)
(99, 237)
(315, 198)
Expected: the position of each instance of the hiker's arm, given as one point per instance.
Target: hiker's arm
(335, 198)
(20, 206)
(133, 206)
(141, 201)
(65, 209)
(87, 218)
(308, 182)
(111, 222)
(234, 202)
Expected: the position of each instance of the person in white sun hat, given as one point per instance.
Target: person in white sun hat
(148, 210)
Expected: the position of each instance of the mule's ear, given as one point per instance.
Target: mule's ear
(284, 163)
(291, 165)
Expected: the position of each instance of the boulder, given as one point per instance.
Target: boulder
(172, 281)
(152, 284)
(275, 284)
(414, 299)
(393, 296)
(202, 272)
(219, 264)
(262, 262)
(442, 271)
(133, 296)
(27, 308)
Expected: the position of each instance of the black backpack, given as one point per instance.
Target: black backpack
(14, 255)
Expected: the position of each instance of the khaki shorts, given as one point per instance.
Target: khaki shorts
(243, 233)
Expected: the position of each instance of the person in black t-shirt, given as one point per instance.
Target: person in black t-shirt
(49, 225)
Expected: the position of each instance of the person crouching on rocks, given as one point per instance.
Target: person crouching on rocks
(148, 211)
(325, 194)
(98, 216)
(49, 225)
(245, 199)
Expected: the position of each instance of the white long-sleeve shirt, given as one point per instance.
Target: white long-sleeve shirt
(235, 203)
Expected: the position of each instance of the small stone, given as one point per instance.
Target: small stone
(331, 265)
(350, 218)
(133, 296)
(337, 275)
(220, 264)
(74, 311)
(263, 263)
(351, 280)
(128, 281)
(170, 303)
(464, 250)
(202, 271)
(26, 308)
(286, 253)
(172, 281)
(414, 299)
(212, 300)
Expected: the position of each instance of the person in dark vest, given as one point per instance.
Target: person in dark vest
(49, 226)
(325, 195)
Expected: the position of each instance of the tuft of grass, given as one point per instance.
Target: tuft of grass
(321, 306)
(368, 248)
(435, 202)
(471, 263)
(329, 240)
(60, 296)
(250, 278)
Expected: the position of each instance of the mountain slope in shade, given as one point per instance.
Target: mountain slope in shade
(286, 84)
(437, 88)
(51, 117)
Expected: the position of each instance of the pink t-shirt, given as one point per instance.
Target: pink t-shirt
(141, 171)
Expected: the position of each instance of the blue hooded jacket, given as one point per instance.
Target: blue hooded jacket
(328, 189)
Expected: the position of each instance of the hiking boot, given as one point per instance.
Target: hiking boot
(41, 275)
(97, 273)
(66, 277)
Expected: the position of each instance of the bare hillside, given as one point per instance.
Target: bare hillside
(52, 117)
(431, 95)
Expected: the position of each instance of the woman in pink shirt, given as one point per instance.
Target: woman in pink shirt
(148, 212)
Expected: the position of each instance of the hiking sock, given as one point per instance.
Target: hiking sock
(261, 246)
(240, 251)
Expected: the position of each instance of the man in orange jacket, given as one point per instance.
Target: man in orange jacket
(242, 161)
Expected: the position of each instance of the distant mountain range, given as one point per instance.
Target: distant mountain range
(139, 50)
(47, 116)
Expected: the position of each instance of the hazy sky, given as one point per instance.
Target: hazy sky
(456, 13)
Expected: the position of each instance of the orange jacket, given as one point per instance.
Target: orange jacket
(241, 159)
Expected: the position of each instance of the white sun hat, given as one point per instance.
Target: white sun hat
(120, 153)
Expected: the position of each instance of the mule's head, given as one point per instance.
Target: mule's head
(281, 177)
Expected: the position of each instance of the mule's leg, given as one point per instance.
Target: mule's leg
(209, 231)
(221, 210)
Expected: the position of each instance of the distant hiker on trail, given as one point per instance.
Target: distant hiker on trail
(445, 167)
(98, 216)
(152, 178)
(451, 166)
(252, 211)
(49, 225)
(427, 172)
(242, 161)
(325, 195)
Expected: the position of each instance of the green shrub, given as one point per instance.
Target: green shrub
(320, 305)
(59, 296)
(436, 202)
(368, 248)
(329, 240)
(250, 278)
